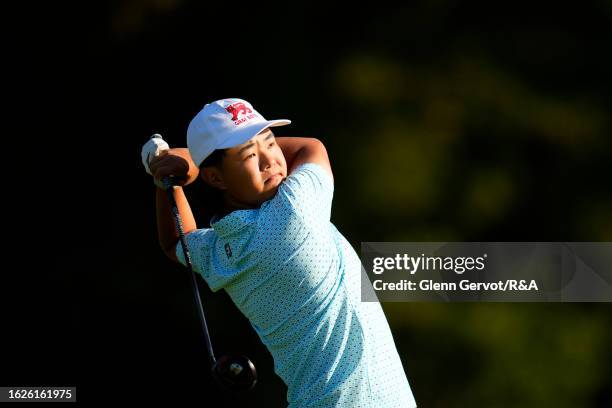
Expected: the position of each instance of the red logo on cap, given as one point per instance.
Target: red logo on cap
(238, 108)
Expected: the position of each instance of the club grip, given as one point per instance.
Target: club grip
(168, 182)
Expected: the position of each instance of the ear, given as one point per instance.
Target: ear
(213, 177)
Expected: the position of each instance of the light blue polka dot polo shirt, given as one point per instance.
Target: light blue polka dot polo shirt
(298, 281)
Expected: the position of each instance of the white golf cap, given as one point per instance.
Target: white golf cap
(223, 124)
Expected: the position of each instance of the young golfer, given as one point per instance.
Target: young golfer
(273, 249)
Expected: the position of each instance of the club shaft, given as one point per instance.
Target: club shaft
(169, 185)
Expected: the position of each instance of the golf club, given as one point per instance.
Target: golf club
(234, 372)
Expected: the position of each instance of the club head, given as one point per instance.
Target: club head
(235, 372)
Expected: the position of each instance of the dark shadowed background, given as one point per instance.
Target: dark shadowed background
(444, 121)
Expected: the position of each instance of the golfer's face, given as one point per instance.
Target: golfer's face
(253, 170)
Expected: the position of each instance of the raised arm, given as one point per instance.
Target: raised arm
(299, 150)
(178, 163)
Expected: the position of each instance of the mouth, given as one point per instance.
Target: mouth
(275, 178)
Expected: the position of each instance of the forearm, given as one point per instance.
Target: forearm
(166, 229)
(294, 147)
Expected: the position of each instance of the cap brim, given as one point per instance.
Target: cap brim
(240, 136)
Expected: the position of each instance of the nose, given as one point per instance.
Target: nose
(265, 160)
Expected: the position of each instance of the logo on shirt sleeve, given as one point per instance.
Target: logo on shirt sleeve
(228, 251)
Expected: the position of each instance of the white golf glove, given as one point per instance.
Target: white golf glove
(154, 146)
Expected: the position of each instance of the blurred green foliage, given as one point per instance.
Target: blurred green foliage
(413, 125)
(503, 355)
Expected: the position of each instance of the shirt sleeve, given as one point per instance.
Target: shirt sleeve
(199, 243)
(309, 191)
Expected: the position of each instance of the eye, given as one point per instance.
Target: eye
(271, 144)
(250, 156)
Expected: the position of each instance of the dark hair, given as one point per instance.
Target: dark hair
(214, 160)
(211, 197)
